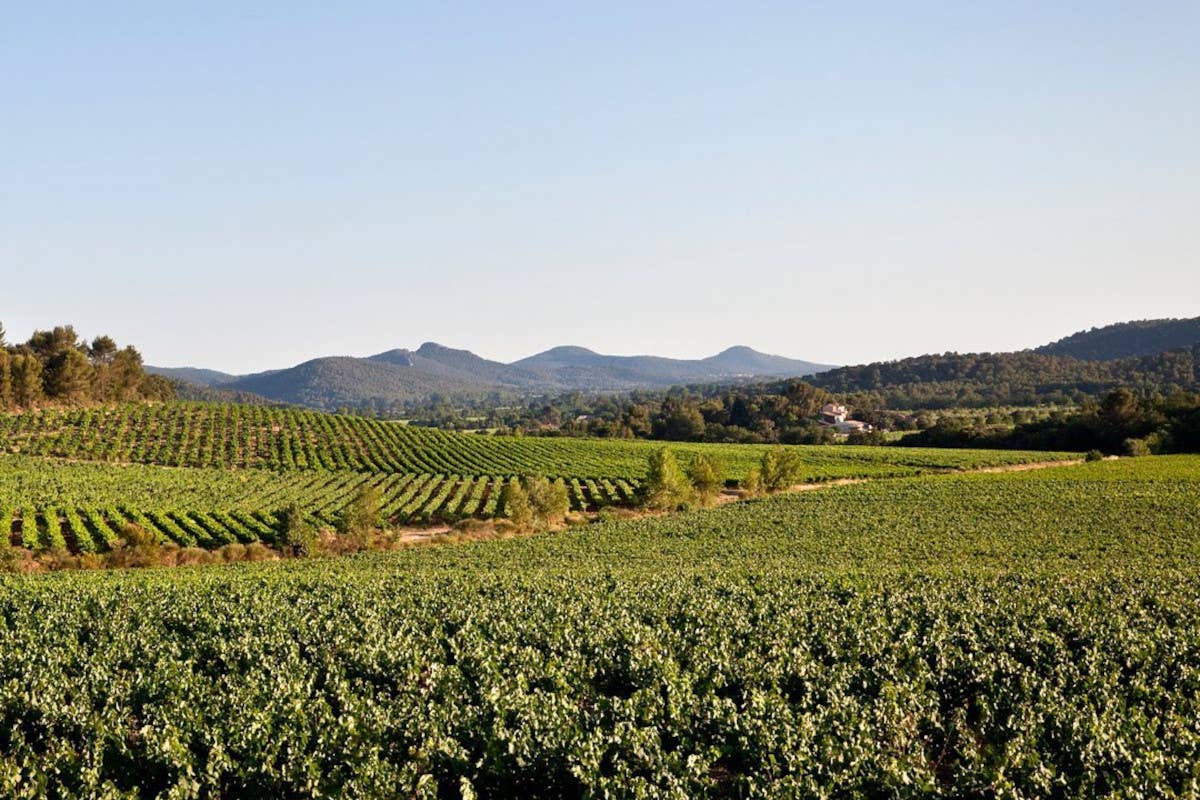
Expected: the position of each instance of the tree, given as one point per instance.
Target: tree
(26, 380)
(48, 344)
(298, 537)
(548, 500)
(69, 377)
(666, 487)
(362, 515)
(102, 350)
(515, 507)
(706, 473)
(6, 398)
(780, 469)
(681, 421)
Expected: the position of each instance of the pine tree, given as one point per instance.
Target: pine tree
(26, 380)
(69, 377)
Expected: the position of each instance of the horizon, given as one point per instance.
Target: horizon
(245, 188)
(363, 355)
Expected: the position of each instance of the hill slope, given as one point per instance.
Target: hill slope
(193, 375)
(991, 379)
(400, 376)
(1126, 339)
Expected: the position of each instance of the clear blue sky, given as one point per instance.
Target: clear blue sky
(247, 185)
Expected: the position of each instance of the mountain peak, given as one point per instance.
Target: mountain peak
(739, 350)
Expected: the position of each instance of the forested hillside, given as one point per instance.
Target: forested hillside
(1126, 339)
(57, 367)
(975, 380)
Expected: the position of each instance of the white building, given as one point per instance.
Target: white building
(834, 415)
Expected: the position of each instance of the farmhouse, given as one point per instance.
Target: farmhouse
(833, 415)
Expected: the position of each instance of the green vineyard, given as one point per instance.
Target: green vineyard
(1030, 634)
(49, 504)
(206, 475)
(283, 439)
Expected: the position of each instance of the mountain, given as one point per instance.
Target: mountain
(461, 365)
(580, 368)
(195, 375)
(398, 376)
(337, 381)
(1126, 339)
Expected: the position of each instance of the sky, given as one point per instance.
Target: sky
(243, 186)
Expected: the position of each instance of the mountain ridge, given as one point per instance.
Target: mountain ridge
(400, 375)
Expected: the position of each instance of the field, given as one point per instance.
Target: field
(240, 437)
(208, 475)
(1025, 634)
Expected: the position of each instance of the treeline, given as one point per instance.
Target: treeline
(1122, 423)
(980, 380)
(57, 367)
(782, 412)
(1126, 339)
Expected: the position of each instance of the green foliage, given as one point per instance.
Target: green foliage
(977, 380)
(666, 487)
(297, 537)
(515, 505)
(924, 637)
(706, 472)
(1094, 455)
(548, 500)
(780, 469)
(59, 368)
(288, 439)
(362, 514)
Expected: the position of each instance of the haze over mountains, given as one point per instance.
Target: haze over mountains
(400, 375)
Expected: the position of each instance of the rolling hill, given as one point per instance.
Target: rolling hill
(399, 376)
(1127, 339)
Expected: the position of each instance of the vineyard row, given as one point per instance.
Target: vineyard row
(407, 499)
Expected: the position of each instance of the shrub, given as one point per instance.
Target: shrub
(515, 505)
(548, 501)
(298, 537)
(706, 473)
(1094, 455)
(362, 515)
(780, 469)
(666, 487)
(1136, 447)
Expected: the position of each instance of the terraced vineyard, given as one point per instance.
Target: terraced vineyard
(233, 436)
(1031, 634)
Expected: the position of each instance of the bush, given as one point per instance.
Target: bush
(362, 515)
(548, 501)
(1094, 455)
(666, 487)
(707, 475)
(1136, 447)
(780, 469)
(298, 537)
(514, 502)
